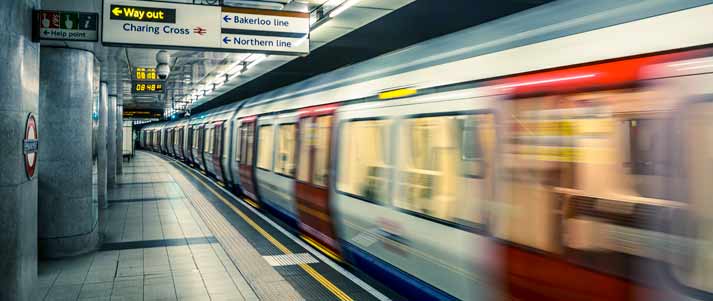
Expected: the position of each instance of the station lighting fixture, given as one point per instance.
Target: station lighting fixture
(341, 8)
(257, 58)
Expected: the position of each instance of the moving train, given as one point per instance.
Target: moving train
(556, 154)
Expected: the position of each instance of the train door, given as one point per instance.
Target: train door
(180, 152)
(247, 143)
(199, 147)
(234, 165)
(312, 185)
(171, 141)
(189, 144)
(218, 150)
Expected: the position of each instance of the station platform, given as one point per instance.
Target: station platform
(171, 234)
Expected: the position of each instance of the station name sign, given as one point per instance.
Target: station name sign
(65, 26)
(152, 24)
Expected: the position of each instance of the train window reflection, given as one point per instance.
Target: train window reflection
(694, 266)
(264, 147)
(320, 167)
(305, 132)
(208, 145)
(238, 138)
(434, 180)
(286, 150)
(249, 143)
(364, 167)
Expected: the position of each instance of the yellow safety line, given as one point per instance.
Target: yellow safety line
(311, 271)
(322, 248)
(251, 203)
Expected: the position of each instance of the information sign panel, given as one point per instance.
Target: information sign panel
(145, 73)
(65, 26)
(146, 87)
(213, 28)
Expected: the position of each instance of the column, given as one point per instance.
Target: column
(68, 218)
(111, 142)
(19, 89)
(102, 145)
(119, 127)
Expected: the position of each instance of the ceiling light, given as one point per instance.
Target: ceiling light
(340, 9)
(254, 4)
(257, 58)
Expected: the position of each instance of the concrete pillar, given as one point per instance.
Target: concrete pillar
(111, 141)
(19, 88)
(102, 146)
(68, 218)
(119, 129)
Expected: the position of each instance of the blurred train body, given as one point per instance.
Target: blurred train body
(560, 161)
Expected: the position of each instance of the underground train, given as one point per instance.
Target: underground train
(517, 160)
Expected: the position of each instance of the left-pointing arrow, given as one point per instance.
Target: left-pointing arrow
(226, 40)
(116, 11)
(226, 18)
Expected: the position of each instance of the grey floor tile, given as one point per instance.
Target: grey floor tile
(159, 292)
(64, 292)
(94, 290)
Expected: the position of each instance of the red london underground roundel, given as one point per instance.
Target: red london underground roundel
(30, 146)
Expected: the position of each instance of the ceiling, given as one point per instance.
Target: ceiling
(416, 22)
(367, 29)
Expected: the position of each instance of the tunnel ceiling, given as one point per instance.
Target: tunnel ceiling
(416, 22)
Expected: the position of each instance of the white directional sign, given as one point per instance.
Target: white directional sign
(213, 28)
(159, 24)
(265, 30)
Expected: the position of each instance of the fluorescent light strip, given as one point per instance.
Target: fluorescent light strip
(545, 81)
(340, 9)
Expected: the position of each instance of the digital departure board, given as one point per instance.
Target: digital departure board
(138, 87)
(145, 73)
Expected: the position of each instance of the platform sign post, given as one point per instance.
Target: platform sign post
(65, 26)
(165, 25)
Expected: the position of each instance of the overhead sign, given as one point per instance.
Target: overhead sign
(173, 25)
(265, 30)
(142, 114)
(30, 145)
(141, 87)
(146, 14)
(145, 73)
(65, 26)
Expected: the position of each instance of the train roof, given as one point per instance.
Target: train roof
(547, 22)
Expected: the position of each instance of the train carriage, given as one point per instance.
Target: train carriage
(536, 162)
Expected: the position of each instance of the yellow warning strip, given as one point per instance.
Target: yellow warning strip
(251, 203)
(311, 271)
(322, 248)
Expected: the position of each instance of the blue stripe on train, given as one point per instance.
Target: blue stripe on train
(399, 281)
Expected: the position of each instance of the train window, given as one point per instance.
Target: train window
(364, 165)
(477, 132)
(243, 134)
(208, 142)
(320, 163)
(238, 137)
(249, 144)
(442, 166)
(691, 249)
(264, 147)
(305, 131)
(286, 150)
(648, 146)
